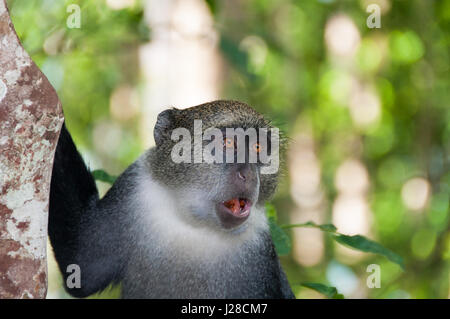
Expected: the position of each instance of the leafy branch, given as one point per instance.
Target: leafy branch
(283, 246)
(357, 242)
(101, 175)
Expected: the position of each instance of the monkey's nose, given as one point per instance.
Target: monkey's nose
(244, 174)
(244, 180)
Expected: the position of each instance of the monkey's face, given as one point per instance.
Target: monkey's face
(219, 177)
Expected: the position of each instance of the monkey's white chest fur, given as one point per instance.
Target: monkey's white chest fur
(175, 259)
(161, 215)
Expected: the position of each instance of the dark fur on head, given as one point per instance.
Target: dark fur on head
(219, 114)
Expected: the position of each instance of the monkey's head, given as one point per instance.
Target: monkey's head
(212, 161)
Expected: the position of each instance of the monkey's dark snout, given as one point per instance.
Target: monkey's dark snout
(238, 198)
(244, 179)
(245, 174)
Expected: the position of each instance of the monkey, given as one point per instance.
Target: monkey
(166, 229)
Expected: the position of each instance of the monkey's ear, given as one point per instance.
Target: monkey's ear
(164, 124)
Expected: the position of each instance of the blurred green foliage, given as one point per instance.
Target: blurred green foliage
(286, 70)
(407, 60)
(84, 64)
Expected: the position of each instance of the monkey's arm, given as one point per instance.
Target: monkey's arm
(83, 230)
(285, 287)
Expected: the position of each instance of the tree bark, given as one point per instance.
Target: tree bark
(30, 121)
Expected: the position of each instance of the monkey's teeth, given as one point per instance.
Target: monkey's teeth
(235, 205)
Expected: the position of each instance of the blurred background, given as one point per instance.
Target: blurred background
(367, 111)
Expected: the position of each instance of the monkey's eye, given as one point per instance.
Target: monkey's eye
(257, 147)
(228, 142)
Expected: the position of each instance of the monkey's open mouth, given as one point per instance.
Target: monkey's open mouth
(238, 207)
(233, 212)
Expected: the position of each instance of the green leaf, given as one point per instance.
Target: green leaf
(237, 57)
(325, 227)
(271, 212)
(363, 244)
(330, 292)
(280, 239)
(101, 175)
(212, 4)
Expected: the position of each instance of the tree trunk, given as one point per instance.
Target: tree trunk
(30, 121)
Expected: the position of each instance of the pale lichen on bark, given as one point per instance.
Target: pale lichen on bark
(30, 121)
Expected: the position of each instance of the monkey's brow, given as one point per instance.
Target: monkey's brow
(247, 138)
(223, 129)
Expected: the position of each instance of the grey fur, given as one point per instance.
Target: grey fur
(157, 231)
